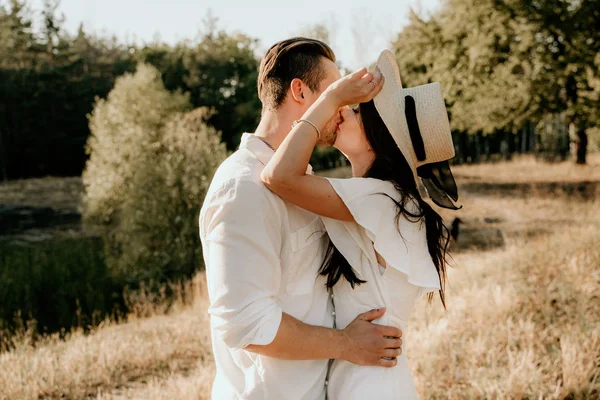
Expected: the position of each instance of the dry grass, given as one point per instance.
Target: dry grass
(117, 361)
(522, 169)
(523, 322)
(526, 169)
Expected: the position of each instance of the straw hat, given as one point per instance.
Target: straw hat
(418, 121)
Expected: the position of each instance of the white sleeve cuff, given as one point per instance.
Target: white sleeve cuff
(248, 328)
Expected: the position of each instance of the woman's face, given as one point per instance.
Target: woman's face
(351, 139)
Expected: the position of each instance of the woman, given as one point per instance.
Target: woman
(388, 245)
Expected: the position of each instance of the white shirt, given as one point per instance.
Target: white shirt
(262, 257)
(409, 273)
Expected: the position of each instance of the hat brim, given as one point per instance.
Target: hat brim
(386, 99)
(429, 130)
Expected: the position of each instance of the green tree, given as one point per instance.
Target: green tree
(219, 72)
(124, 125)
(148, 172)
(48, 82)
(222, 74)
(17, 39)
(566, 47)
(507, 64)
(479, 54)
(51, 31)
(167, 192)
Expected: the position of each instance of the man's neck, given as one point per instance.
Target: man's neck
(274, 126)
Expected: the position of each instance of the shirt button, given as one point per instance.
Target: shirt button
(332, 295)
(333, 313)
(326, 383)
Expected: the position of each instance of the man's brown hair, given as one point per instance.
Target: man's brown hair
(289, 59)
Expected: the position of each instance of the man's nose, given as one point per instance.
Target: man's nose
(340, 114)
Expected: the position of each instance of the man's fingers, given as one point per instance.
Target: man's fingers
(394, 343)
(388, 363)
(391, 331)
(372, 315)
(391, 353)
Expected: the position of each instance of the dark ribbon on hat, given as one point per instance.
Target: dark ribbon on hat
(437, 177)
(440, 184)
(410, 110)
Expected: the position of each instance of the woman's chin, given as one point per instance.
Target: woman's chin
(340, 139)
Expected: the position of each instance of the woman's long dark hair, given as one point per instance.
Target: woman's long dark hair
(390, 165)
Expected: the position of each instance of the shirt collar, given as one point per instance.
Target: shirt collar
(260, 150)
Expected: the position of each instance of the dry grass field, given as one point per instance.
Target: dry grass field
(523, 318)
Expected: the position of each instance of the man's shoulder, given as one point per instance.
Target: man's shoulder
(241, 167)
(238, 177)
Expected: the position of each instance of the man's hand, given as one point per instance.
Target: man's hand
(366, 343)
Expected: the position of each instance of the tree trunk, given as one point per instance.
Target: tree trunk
(477, 147)
(523, 140)
(464, 147)
(3, 160)
(579, 142)
(582, 142)
(532, 137)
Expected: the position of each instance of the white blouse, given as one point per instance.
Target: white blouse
(409, 273)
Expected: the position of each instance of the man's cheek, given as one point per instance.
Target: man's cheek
(327, 140)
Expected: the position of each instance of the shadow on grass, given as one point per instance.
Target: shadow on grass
(584, 190)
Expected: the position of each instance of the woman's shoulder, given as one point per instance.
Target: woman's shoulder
(370, 199)
(355, 188)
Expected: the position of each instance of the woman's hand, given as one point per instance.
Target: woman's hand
(358, 87)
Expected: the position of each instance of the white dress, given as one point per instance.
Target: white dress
(409, 273)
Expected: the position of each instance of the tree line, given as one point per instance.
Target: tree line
(49, 80)
(526, 67)
(510, 70)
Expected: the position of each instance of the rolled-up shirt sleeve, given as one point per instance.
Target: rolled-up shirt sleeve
(240, 229)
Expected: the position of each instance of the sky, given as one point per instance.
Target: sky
(359, 29)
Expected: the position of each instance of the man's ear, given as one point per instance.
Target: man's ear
(297, 88)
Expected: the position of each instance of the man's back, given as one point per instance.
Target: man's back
(262, 258)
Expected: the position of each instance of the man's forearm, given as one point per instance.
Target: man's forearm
(296, 340)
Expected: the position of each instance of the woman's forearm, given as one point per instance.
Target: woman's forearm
(291, 159)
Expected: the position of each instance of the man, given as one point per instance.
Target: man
(271, 315)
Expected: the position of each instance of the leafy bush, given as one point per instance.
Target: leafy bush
(149, 169)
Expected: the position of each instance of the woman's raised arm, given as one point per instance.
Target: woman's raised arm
(286, 175)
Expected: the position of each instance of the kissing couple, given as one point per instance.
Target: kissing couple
(312, 280)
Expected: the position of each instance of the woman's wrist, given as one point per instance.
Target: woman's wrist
(331, 98)
(323, 109)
